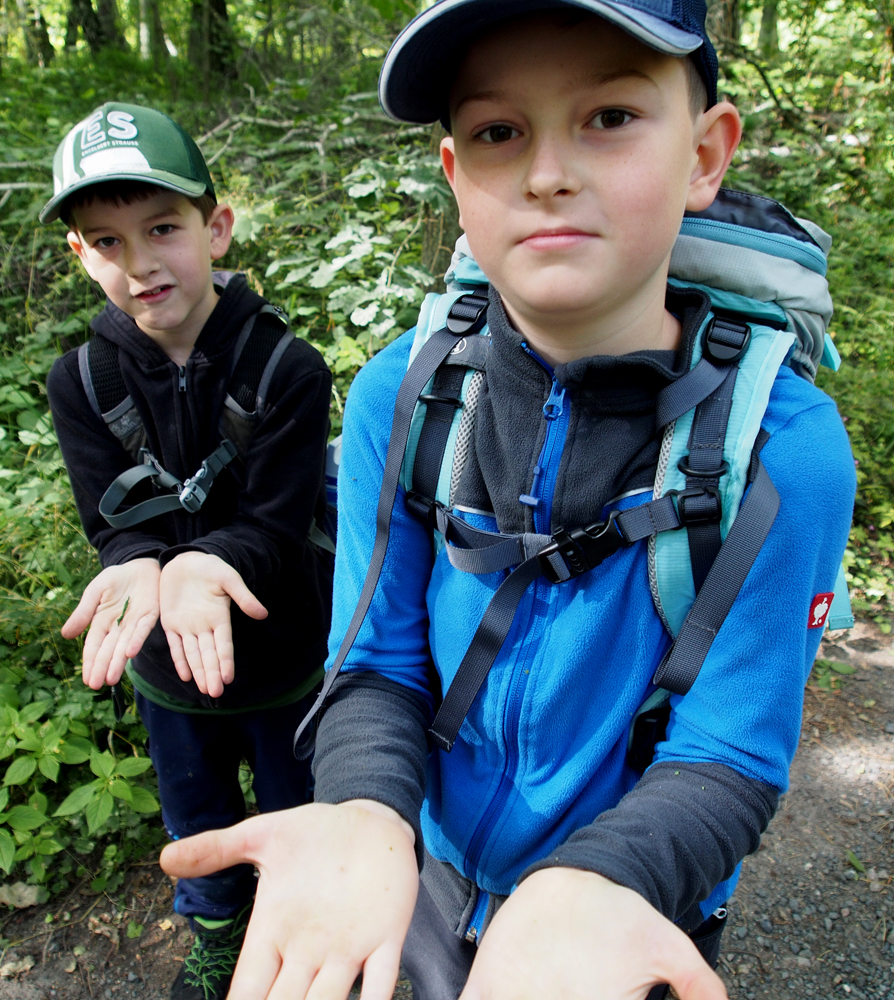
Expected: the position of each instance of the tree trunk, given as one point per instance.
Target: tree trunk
(152, 35)
(38, 48)
(83, 14)
(768, 42)
(107, 13)
(211, 47)
(724, 20)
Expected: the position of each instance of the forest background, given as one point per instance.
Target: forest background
(344, 220)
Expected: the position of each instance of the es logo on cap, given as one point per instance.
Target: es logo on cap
(120, 127)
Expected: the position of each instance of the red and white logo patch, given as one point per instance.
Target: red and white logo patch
(819, 610)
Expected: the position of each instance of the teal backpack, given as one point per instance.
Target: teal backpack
(765, 273)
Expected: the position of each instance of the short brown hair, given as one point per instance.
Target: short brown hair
(119, 193)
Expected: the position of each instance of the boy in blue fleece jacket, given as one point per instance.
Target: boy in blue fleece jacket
(580, 132)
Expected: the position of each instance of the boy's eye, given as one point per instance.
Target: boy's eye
(612, 118)
(105, 242)
(497, 133)
(163, 229)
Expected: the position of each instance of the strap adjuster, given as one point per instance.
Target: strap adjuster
(726, 340)
(422, 507)
(467, 314)
(690, 517)
(573, 553)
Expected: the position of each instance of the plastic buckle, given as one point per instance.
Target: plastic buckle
(726, 341)
(422, 507)
(467, 314)
(694, 519)
(580, 550)
(192, 496)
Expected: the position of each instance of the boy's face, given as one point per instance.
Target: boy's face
(573, 157)
(153, 259)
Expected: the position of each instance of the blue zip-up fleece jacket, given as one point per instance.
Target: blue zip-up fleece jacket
(538, 776)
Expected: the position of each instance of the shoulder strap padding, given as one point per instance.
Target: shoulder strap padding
(108, 395)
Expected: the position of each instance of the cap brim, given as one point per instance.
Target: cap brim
(161, 178)
(417, 72)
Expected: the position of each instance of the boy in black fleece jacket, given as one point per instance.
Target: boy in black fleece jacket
(144, 221)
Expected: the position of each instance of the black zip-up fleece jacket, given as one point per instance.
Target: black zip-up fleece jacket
(258, 511)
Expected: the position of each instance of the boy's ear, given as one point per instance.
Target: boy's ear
(220, 222)
(718, 132)
(76, 242)
(448, 162)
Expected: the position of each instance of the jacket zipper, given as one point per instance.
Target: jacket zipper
(557, 415)
(181, 378)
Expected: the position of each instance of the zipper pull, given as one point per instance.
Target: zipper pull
(181, 380)
(555, 405)
(531, 499)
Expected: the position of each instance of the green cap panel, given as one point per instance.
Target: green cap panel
(129, 143)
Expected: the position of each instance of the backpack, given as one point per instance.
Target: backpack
(257, 353)
(764, 272)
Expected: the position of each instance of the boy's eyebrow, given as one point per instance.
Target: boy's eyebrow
(151, 218)
(596, 80)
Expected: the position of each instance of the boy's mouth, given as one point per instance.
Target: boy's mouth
(153, 294)
(560, 238)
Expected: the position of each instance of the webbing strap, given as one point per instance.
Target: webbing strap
(441, 405)
(472, 550)
(486, 643)
(704, 467)
(189, 496)
(683, 661)
(687, 391)
(433, 352)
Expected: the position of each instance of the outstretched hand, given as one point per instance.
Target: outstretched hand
(566, 934)
(195, 593)
(120, 606)
(335, 897)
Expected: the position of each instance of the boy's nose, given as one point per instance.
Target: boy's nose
(551, 171)
(141, 261)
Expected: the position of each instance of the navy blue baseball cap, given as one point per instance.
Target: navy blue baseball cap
(414, 85)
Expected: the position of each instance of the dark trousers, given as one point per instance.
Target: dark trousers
(437, 962)
(197, 758)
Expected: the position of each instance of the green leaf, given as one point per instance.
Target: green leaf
(47, 846)
(843, 668)
(32, 712)
(49, 767)
(23, 818)
(134, 930)
(4, 798)
(7, 851)
(855, 862)
(102, 764)
(143, 801)
(98, 810)
(129, 767)
(78, 799)
(121, 789)
(75, 750)
(19, 771)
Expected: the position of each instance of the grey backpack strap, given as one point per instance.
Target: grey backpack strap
(108, 395)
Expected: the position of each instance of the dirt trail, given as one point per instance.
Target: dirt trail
(805, 922)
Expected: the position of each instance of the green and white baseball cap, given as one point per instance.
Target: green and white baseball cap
(126, 142)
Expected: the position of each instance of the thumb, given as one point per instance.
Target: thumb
(234, 586)
(206, 853)
(83, 614)
(693, 979)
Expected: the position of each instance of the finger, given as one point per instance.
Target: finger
(258, 968)
(178, 656)
(210, 664)
(98, 654)
(234, 585)
(140, 633)
(194, 659)
(223, 642)
(380, 973)
(332, 982)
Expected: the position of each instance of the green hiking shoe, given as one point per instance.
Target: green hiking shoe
(208, 968)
